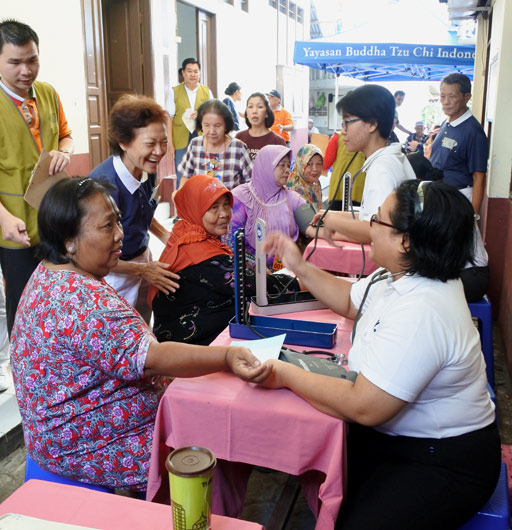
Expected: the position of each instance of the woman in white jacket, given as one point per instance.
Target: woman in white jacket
(368, 113)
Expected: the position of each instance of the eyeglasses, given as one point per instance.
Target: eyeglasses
(374, 219)
(345, 123)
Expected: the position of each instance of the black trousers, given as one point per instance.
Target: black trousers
(401, 483)
(17, 267)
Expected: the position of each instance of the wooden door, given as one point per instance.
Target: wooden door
(95, 77)
(127, 48)
(207, 51)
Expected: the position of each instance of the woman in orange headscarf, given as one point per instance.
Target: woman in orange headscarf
(203, 305)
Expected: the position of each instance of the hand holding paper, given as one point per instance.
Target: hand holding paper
(263, 349)
(189, 120)
(41, 181)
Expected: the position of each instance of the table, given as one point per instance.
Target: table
(346, 258)
(243, 423)
(79, 506)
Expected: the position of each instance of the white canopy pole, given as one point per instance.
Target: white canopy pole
(335, 113)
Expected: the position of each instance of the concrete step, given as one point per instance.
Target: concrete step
(11, 434)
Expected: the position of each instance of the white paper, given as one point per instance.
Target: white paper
(190, 123)
(263, 349)
(14, 521)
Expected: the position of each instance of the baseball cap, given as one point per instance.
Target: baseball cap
(274, 92)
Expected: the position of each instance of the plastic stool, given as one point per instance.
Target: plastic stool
(495, 515)
(482, 311)
(492, 395)
(33, 470)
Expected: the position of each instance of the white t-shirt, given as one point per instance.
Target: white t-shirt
(385, 170)
(170, 104)
(417, 342)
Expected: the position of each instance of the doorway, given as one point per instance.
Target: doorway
(128, 67)
(118, 60)
(196, 38)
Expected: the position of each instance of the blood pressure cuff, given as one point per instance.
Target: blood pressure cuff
(317, 365)
(303, 216)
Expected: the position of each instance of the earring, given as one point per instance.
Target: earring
(71, 249)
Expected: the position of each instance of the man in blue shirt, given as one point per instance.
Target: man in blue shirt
(461, 148)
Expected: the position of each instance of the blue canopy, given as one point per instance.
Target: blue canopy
(386, 61)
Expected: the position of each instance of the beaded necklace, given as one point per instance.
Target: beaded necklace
(263, 206)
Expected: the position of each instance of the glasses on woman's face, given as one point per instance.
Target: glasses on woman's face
(345, 123)
(376, 220)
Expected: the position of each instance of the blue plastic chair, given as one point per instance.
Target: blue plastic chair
(495, 515)
(482, 311)
(33, 470)
(492, 395)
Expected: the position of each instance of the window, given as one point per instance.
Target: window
(244, 4)
(283, 6)
(292, 10)
(272, 3)
(300, 15)
(230, 2)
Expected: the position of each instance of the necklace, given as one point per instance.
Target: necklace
(264, 212)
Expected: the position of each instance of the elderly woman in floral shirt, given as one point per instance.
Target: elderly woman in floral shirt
(84, 362)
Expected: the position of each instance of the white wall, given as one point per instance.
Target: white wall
(163, 41)
(499, 100)
(58, 24)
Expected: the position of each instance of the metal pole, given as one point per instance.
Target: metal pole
(335, 114)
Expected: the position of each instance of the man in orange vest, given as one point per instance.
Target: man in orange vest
(283, 122)
(184, 98)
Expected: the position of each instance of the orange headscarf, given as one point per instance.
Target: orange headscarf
(189, 243)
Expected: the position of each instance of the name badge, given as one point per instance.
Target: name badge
(449, 143)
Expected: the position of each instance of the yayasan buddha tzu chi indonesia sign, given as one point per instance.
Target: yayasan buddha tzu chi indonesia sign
(330, 52)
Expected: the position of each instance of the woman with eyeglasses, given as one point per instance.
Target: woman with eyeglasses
(423, 446)
(368, 113)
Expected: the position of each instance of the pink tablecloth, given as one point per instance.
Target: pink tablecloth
(244, 423)
(83, 507)
(346, 259)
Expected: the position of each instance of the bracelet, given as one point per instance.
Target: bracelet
(67, 151)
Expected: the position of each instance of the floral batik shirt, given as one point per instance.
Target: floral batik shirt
(78, 352)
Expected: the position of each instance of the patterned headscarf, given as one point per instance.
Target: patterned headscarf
(312, 193)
